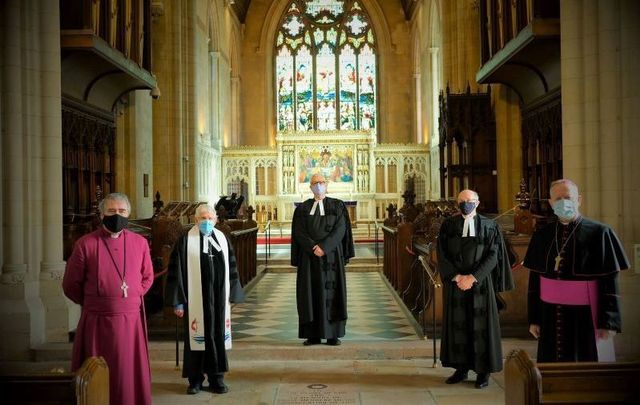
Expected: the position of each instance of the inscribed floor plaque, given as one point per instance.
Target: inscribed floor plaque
(316, 394)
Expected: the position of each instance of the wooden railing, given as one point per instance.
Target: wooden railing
(244, 245)
(88, 386)
(397, 254)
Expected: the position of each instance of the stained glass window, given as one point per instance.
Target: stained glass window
(326, 70)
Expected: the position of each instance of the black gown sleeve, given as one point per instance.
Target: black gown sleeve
(175, 291)
(609, 303)
(533, 298)
(489, 260)
(334, 238)
(446, 268)
(301, 241)
(236, 293)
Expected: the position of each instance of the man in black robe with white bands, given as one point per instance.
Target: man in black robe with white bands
(574, 298)
(474, 267)
(321, 246)
(202, 281)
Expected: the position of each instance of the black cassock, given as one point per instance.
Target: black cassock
(592, 252)
(321, 291)
(213, 360)
(470, 327)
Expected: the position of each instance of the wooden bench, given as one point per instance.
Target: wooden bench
(569, 383)
(88, 386)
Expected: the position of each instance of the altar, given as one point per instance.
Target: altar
(366, 175)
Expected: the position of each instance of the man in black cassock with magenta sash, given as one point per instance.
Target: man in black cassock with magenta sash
(574, 298)
(321, 246)
(474, 267)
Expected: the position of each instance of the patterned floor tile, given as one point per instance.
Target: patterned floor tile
(269, 311)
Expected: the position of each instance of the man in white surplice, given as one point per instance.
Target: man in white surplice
(201, 283)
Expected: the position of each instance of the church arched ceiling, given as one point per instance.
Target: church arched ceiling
(240, 8)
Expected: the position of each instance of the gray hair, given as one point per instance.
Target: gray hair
(205, 208)
(567, 182)
(475, 194)
(114, 197)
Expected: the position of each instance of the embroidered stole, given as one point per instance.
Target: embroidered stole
(194, 287)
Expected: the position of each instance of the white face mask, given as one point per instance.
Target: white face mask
(566, 210)
(319, 189)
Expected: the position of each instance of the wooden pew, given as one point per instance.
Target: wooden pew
(243, 235)
(88, 386)
(569, 383)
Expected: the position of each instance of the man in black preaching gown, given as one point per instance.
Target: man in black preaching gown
(321, 246)
(202, 281)
(473, 266)
(574, 298)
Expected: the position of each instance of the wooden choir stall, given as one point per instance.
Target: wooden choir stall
(410, 237)
(162, 230)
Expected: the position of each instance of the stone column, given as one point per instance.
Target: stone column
(236, 106)
(601, 117)
(31, 181)
(60, 315)
(434, 135)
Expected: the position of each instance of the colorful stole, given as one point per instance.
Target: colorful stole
(194, 287)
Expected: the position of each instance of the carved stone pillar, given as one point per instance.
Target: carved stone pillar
(600, 121)
(34, 308)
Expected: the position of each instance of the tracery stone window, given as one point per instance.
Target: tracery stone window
(325, 67)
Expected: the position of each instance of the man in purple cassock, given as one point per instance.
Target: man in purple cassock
(108, 273)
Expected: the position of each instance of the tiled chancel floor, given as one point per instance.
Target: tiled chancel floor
(359, 372)
(269, 311)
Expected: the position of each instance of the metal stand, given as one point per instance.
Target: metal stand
(177, 347)
(436, 284)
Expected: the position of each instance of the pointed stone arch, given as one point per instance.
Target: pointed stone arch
(213, 23)
(385, 49)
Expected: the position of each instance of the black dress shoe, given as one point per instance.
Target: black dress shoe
(334, 342)
(193, 389)
(482, 381)
(459, 375)
(219, 388)
(311, 341)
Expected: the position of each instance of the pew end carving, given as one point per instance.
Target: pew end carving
(528, 383)
(89, 385)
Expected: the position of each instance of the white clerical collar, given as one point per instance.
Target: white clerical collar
(469, 227)
(317, 203)
(206, 239)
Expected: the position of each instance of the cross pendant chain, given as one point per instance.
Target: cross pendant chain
(124, 288)
(560, 249)
(558, 259)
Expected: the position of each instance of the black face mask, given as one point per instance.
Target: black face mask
(115, 223)
(466, 207)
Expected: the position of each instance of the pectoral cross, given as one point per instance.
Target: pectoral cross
(124, 288)
(558, 259)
